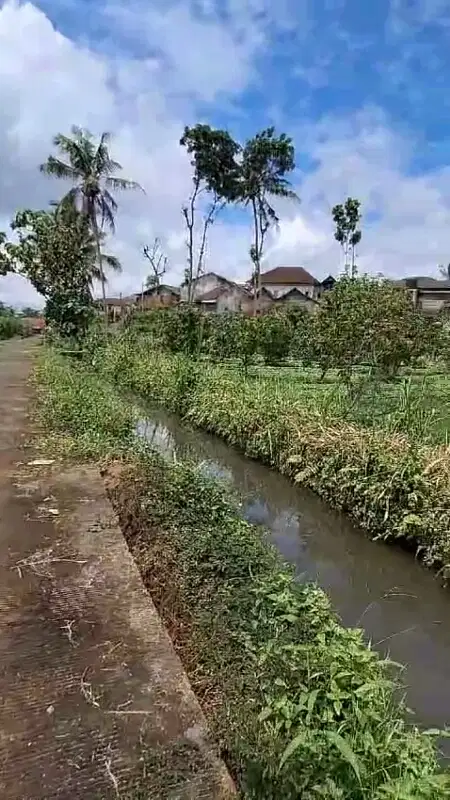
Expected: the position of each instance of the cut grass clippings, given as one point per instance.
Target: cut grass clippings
(300, 706)
(392, 485)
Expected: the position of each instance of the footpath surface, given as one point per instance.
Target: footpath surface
(94, 702)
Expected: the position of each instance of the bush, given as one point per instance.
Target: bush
(301, 706)
(391, 485)
(71, 400)
(10, 326)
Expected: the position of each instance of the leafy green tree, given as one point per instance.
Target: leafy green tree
(70, 215)
(275, 337)
(371, 322)
(91, 169)
(266, 160)
(213, 152)
(347, 217)
(54, 257)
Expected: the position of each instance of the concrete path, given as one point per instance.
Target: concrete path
(93, 699)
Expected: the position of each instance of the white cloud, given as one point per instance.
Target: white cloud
(48, 82)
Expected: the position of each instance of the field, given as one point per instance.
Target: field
(417, 403)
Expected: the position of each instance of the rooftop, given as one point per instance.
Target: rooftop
(288, 275)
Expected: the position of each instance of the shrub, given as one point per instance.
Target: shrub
(391, 485)
(301, 706)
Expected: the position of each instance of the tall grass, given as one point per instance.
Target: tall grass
(300, 706)
(10, 326)
(392, 484)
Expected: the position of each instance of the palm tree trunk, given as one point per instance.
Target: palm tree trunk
(100, 264)
(257, 279)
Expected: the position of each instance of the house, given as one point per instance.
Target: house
(118, 307)
(281, 280)
(227, 297)
(296, 298)
(430, 295)
(327, 284)
(158, 297)
(204, 284)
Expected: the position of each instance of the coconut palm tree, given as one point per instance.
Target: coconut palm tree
(70, 215)
(92, 171)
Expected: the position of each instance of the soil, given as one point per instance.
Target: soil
(95, 701)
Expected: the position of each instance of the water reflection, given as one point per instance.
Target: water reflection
(400, 604)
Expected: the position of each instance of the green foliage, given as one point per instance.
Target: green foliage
(302, 707)
(346, 218)
(266, 160)
(180, 330)
(86, 419)
(10, 324)
(394, 486)
(52, 253)
(213, 153)
(365, 321)
(275, 337)
(93, 174)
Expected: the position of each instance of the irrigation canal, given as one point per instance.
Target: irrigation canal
(400, 604)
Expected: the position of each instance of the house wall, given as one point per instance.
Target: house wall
(163, 299)
(279, 289)
(204, 284)
(432, 302)
(231, 300)
(296, 300)
(265, 303)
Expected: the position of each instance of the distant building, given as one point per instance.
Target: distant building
(157, 297)
(117, 307)
(204, 284)
(327, 284)
(430, 295)
(296, 298)
(281, 280)
(224, 297)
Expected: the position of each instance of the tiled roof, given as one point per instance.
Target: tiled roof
(422, 282)
(288, 275)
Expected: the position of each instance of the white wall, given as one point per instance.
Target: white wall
(206, 283)
(279, 289)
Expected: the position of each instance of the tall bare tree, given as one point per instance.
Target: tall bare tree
(347, 217)
(213, 160)
(158, 262)
(266, 160)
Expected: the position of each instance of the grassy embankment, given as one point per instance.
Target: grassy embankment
(394, 484)
(299, 705)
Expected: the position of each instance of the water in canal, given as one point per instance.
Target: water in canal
(401, 605)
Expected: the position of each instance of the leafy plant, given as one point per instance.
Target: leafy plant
(212, 154)
(93, 173)
(55, 255)
(346, 218)
(266, 160)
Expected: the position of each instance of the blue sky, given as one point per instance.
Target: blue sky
(361, 87)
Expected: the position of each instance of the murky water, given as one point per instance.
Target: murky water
(401, 605)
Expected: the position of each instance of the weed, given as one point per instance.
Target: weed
(300, 705)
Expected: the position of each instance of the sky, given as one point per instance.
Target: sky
(362, 89)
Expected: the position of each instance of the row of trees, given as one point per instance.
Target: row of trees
(224, 172)
(361, 321)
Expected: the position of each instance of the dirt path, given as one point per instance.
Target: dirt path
(95, 703)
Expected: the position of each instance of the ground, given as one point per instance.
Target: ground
(95, 701)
